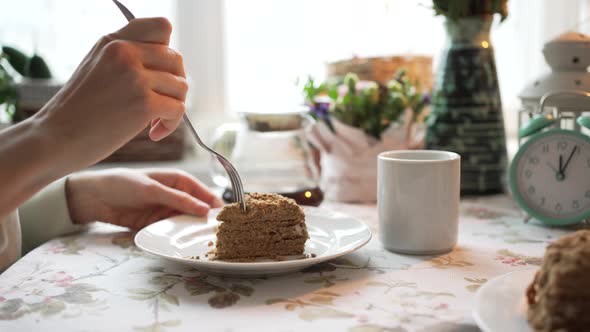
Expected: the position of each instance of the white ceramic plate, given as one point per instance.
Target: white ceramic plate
(332, 234)
(500, 304)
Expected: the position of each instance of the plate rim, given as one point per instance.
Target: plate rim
(475, 312)
(258, 265)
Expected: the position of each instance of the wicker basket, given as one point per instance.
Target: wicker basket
(382, 69)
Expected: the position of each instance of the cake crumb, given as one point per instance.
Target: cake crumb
(210, 243)
(314, 255)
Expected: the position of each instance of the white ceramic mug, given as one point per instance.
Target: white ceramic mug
(418, 199)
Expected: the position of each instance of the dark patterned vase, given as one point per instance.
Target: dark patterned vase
(466, 108)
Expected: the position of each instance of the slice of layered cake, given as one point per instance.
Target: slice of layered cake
(559, 296)
(272, 226)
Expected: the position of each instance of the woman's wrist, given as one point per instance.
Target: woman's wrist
(77, 194)
(28, 163)
(63, 151)
(73, 210)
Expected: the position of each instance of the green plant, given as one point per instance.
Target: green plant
(456, 9)
(367, 105)
(31, 67)
(15, 62)
(7, 90)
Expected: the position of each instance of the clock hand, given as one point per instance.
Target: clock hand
(569, 159)
(560, 164)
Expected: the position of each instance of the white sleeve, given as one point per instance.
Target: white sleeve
(46, 216)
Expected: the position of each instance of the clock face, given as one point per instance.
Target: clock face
(550, 177)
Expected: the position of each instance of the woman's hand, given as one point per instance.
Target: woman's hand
(135, 199)
(129, 80)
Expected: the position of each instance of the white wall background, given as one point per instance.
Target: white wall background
(247, 54)
(271, 43)
(519, 41)
(63, 31)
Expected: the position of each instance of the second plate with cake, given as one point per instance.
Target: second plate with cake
(191, 240)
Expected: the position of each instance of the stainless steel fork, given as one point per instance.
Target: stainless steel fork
(234, 177)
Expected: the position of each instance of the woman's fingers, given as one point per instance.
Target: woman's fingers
(166, 78)
(154, 57)
(168, 84)
(163, 128)
(199, 190)
(183, 181)
(163, 72)
(178, 200)
(169, 111)
(154, 30)
(160, 58)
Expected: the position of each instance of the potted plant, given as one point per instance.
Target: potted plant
(31, 82)
(356, 120)
(7, 94)
(466, 108)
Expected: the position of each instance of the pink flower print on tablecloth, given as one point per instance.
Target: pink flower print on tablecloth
(60, 279)
(442, 306)
(512, 261)
(66, 246)
(508, 257)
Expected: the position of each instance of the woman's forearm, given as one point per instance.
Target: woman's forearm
(27, 151)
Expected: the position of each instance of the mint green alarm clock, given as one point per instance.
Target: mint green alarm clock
(550, 174)
(550, 177)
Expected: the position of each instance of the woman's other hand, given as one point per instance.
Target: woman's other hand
(135, 199)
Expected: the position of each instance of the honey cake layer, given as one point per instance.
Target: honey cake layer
(262, 207)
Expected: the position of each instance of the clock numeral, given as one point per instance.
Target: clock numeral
(561, 145)
(528, 173)
(558, 208)
(545, 148)
(533, 160)
(587, 194)
(542, 201)
(588, 162)
(531, 190)
(576, 204)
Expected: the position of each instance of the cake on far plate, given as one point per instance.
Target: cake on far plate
(272, 226)
(559, 296)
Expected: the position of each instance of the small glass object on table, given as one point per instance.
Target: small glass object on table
(272, 154)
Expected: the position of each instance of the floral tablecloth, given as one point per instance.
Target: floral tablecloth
(99, 281)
